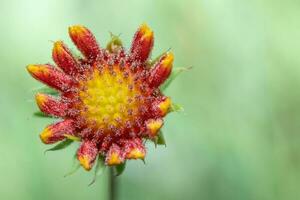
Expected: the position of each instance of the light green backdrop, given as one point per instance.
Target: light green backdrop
(239, 137)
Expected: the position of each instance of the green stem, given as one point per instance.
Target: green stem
(112, 185)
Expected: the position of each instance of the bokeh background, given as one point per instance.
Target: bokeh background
(239, 136)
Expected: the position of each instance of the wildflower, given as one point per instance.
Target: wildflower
(110, 100)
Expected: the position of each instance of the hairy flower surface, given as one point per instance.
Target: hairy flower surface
(109, 99)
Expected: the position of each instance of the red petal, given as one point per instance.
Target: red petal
(50, 76)
(55, 132)
(161, 71)
(50, 105)
(142, 43)
(64, 59)
(87, 154)
(85, 41)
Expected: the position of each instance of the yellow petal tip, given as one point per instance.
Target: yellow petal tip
(85, 162)
(45, 135)
(76, 29)
(136, 154)
(40, 99)
(114, 159)
(154, 125)
(168, 60)
(58, 47)
(146, 31)
(165, 105)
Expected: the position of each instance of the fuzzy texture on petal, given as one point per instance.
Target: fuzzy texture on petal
(55, 132)
(162, 70)
(85, 41)
(142, 43)
(50, 76)
(134, 149)
(110, 100)
(115, 155)
(64, 59)
(50, 106)
(153, 126)
(87, 154)
(162, 106)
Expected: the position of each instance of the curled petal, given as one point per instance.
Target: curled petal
(87, 154)
(50, 105)
(50, 76)
(114, 155)
(162, 106)
(64, 59)
(55, 132)
(85, 41)
(142, 43)
(153, 126)
(135, 149)
(161, 70)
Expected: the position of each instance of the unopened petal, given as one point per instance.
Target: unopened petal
(55, 132)
(153, 126)
(162, 106)
(50, 106)
(115, 155)
(161, 70)
(135, 149)
(64, 59)
(142, 43)
(50, 76)
(85, 41)
(87, 154)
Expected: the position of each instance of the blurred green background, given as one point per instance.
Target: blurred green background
(239, 136)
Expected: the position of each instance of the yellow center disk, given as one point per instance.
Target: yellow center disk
(109, 98)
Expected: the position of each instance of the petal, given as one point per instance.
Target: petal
(161, 70)
(64, 59)
(55, 132)
(114, 155)
(135, 149)
(87, 154)
(50, 76)
(142, 43)
(162, 106)
(85, 41)
(153, 126)
(50, 106)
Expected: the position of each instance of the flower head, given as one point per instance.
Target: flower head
(109, 99)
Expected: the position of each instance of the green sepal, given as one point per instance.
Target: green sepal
(114, 44)
(173, 76)
(62, 145)
(75, 166)
(41, 114)
(176, 108)
(72, 137)
(154, 140)
(120, 168)
(161, 139)
(99, 169)
(47, 90)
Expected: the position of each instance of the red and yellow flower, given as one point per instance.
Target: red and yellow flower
(109, 99)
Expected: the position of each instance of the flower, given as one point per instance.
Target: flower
(110, 99)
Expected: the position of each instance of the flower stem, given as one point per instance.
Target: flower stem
(112, 185)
